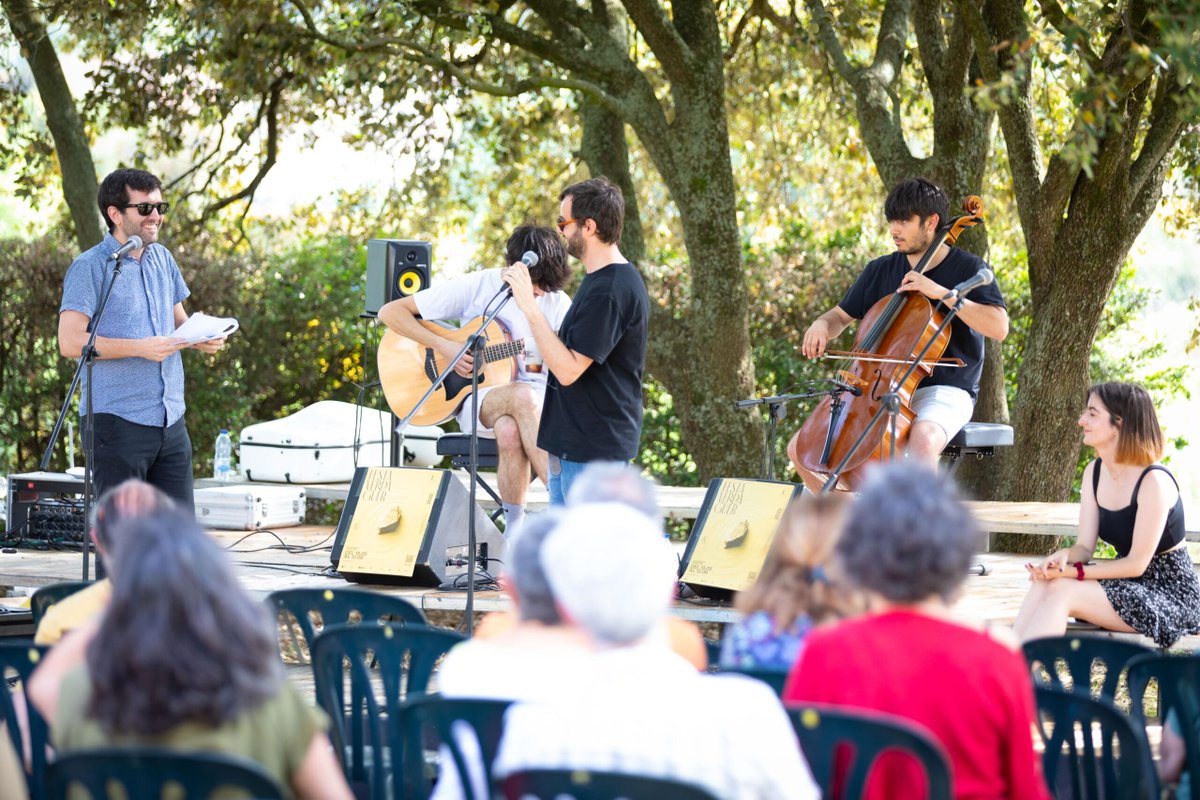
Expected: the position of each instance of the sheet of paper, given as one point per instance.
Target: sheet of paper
(200, 327)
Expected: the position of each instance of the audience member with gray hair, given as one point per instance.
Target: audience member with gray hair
(633, 705)
(610, 576)
(615, 482)
(514, 654)
(907, 543)
(620, 482)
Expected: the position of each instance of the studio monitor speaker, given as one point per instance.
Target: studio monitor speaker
(396, 268)
(407, 526)
(732, 534)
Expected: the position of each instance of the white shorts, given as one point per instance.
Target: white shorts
(463, 415)
(946, 406)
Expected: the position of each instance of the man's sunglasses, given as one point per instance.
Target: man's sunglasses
(563, 223)
(146, 209)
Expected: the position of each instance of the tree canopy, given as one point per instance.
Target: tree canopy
(754, 143)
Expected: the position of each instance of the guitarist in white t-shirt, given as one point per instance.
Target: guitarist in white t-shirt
(510, 412)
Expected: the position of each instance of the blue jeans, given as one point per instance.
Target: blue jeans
(562, 474)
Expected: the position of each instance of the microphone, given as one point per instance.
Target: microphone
(135, 243)
(529, 259)
(981, 278)
(846, 388)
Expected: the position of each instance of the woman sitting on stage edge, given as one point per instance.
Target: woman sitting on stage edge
(797, 589)
(184, 658)
(1132, 503)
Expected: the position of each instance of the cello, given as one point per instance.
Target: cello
(838, 437)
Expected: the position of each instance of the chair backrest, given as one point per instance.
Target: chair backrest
(1093, 749)
(581, 784)
(339, 606)
(1082, 659)
(363, 674)
(713, 648)
(45, 596)
(842, 746)
(26, 728)
(1178, 680)
(144, 772)
(774, 678)
(444, 716)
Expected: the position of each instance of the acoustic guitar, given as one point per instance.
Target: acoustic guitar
(407, 369)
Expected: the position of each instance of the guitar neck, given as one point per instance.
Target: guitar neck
(503, 350)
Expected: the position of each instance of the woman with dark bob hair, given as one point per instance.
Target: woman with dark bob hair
(907, 544)
(1133, 503)
(184, 658)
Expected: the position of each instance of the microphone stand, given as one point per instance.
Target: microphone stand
(87, 358)
(776, 411)
(475, 343)
(890, 402)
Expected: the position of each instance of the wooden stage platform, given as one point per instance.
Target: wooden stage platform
(263, 565)
(683, 503)
(300, 556)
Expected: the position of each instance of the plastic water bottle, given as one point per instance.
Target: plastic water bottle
(223, 457)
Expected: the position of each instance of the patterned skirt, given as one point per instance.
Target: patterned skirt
(1164, 603)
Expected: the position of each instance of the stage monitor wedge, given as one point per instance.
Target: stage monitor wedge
(396, 268)
(407, 526)
(732, 534)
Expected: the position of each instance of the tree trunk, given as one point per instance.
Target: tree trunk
(713, 367)
(1054, 371)
(70, 139)
(606, 151)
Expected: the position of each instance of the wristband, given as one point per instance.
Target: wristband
(1079, 570)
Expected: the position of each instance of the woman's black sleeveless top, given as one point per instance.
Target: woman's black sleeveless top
(1116, 527)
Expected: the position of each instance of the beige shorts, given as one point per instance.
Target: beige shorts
(946, 406)
(464, 412)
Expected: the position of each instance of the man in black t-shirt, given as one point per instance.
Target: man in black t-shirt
(593, 407)
(945, 400)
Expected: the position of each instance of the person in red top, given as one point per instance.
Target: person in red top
(908, 543)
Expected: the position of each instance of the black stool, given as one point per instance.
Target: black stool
(979, 439)
(458, 447)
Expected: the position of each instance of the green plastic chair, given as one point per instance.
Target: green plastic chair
(363, 675)
(1083, 658)
(1094, 749)
(842, 746)
(337, 607)
(582, 784)
(712, 647)
(45, 596)
(144, 773)
(17, 662)
(1178, 681)
(771, 677)
(441, 717)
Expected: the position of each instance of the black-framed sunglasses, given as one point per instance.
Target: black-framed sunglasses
(146, 209)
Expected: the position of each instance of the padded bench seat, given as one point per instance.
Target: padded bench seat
(979, 439)
(976, 435)
(458, 446)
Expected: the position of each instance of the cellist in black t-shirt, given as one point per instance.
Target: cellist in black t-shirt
(945, 400)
